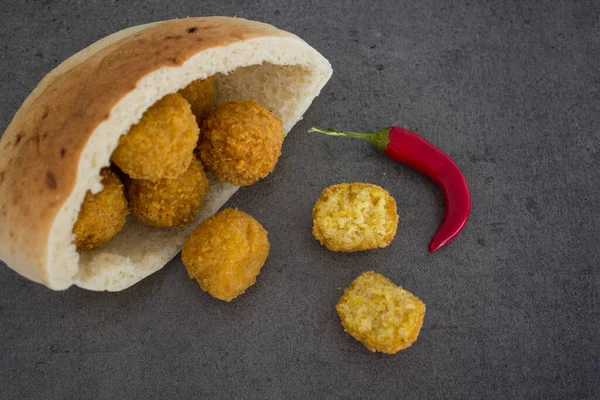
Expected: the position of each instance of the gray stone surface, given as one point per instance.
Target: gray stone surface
(511, 90)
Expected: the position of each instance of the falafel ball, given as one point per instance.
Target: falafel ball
(102, 215)
(161, 145)
(200, 94)
(355, 217)
(381, 315)
(226, 253)
(169, 202)
(241, 142)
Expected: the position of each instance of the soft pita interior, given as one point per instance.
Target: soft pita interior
(284, 74)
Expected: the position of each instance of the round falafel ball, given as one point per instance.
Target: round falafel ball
(241, 142)
(226, 253)
(169, 202)
(200, 94)
(161, 145)
(102, 215)
(355, 217)
(381, 315)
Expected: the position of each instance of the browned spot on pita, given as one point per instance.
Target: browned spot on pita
(50, 181)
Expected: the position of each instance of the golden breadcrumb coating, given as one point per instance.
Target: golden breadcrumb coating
(169, 202)
(226, 253)
(381, 315)
(102, 215)
(200, 94)
(241, 142)
(161, 145)
(354, 217)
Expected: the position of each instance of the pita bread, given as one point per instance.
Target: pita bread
(66, 130)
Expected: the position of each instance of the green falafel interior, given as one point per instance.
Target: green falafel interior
(68, 128)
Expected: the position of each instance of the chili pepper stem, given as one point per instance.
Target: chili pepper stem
(379, 138)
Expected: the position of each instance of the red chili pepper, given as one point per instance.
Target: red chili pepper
(411, 149)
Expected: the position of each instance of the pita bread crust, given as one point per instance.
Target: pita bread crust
(41, 149)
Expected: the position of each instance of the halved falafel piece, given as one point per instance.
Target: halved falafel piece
(355, 216)
(382, 316)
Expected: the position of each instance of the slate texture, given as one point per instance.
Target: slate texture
(510, 89)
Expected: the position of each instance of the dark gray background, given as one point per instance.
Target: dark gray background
(511, 90)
